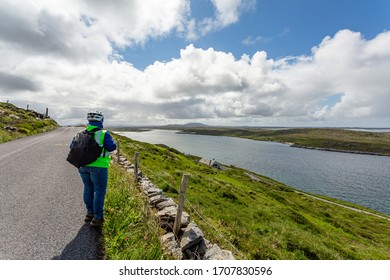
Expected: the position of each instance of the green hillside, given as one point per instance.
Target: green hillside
(256, 217)
(17, 122)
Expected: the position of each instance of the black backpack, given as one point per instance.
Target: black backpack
(85, 149)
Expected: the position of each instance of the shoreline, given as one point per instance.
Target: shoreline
(335, 150)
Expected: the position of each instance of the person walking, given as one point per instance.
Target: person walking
(95, 174)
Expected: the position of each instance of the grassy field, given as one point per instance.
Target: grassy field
(17, 122)
(322, 138)
(261, 219)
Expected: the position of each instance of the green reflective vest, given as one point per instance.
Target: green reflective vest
(104, 160)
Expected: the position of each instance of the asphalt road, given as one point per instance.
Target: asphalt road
(41, 207)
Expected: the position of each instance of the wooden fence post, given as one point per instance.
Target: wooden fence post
(136, 167)
(118, 148)
(183, 189)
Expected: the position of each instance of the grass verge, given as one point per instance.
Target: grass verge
(130, 231)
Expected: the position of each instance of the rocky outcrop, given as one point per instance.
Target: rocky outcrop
(190, 244)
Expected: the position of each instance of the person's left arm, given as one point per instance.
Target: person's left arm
(109, 143)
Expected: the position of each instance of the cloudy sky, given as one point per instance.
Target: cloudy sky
(220, 62)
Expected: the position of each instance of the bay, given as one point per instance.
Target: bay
(360, 179)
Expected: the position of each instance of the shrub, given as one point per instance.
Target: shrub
(24, 130)
(25, 126)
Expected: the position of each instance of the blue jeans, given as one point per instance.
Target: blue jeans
(95, 186)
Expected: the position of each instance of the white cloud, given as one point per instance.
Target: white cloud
(134, 22)
(31, 30)
(63, 56)
(345, 64)
(212, 84)
(248, 41)
(227, 12)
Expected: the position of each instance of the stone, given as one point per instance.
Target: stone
(131, 171)
(227, 255)
(168, 215)
(14, 116)
(166, 219)
(167, 203)
(192, 235)
(197, 251)
(170, 244)
(144, 179)
(146, 185)
(215, 253)
(156, 199)
(168, 237)
(126, 163)
(189, 255)
(153, 191)
(11, 128)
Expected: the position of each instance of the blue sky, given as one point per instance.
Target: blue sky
(220, 62)
(279, 27)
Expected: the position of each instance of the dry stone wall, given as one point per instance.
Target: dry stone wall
(190, 244)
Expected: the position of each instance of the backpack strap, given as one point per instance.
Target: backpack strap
(101, 139)
(95, 129)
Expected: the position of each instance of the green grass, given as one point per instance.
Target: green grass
(130, 231)
(26, 122)
(265, 219)
(321, 138)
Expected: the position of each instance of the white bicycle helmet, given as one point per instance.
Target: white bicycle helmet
(95, 116)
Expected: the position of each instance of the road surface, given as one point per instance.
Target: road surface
(41, 207)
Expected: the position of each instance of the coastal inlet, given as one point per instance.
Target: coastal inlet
(360, 179)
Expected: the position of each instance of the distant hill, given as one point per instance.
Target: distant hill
(187, 125)
(150, 127)
(17, 122)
